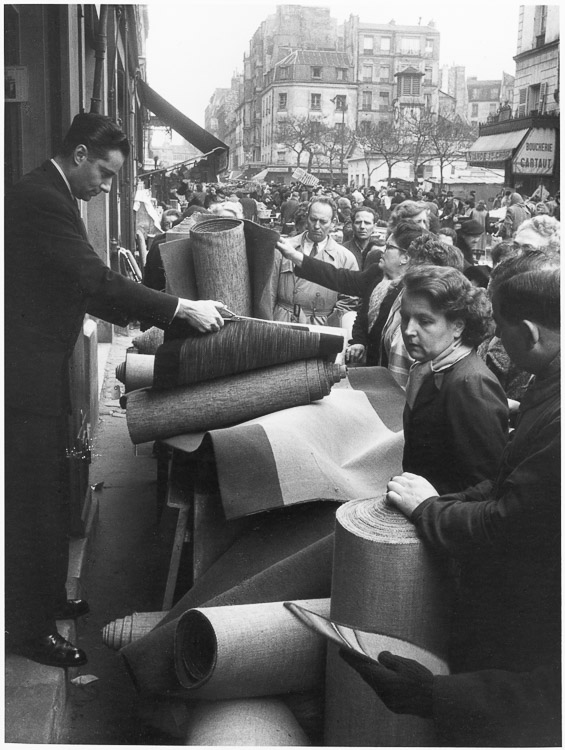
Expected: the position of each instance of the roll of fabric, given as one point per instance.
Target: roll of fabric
(220, 263)
(239, 346)
(264, 722)
(137, 371)
(178, 261)
(124, 630)
(229, 652)
(157, 414)
(149, 341)
(384, 581)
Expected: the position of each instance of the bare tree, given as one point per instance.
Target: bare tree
(449, 138)
(333, 143)
(415, 128)
(384, 141)
(301, 135)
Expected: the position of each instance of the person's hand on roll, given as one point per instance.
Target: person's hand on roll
(405, 686)
(407, 491)
(289, 251)
(355, 354)
(202, 314)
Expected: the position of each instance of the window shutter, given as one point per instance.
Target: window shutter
(542, 97)
(522, 103)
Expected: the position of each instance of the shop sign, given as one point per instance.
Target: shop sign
(537, 154)
(487, 157)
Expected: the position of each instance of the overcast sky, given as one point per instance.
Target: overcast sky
(194, 47)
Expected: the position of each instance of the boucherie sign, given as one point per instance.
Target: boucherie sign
(536, 155)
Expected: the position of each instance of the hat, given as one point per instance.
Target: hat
(471, 227)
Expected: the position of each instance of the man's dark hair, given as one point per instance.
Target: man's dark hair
(406, 231)
(98, 133)
(527, 288)
(366, 209)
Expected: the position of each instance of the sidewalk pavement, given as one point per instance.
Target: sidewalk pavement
(120, 567)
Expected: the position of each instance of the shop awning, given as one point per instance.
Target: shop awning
(495, 149)
(184, 126)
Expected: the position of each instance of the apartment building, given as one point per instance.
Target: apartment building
(523, 138)
(394, 67)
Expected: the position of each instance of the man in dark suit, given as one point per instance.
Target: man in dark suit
(53, 277)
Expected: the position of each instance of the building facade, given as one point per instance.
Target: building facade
(523, 138)
(393, 66)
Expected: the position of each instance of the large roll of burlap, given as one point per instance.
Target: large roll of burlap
(264, 722)
(236, 651)
(220, 263)
(159, 414)
(137, 371)
(384, 581)
(239, 346)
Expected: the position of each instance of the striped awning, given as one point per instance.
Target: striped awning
(495, 149)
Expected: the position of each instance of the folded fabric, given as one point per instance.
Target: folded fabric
(339, 448)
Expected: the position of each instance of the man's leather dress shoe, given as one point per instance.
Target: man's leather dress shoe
(52, 650)
(72, 609)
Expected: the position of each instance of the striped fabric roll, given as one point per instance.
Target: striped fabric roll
(240, 346)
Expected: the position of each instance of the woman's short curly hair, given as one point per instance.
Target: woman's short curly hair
(450, 293)
(406, 210)
(430, 250)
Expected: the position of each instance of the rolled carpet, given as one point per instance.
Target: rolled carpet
(384, 581)
(229, 652)
(220, 263)
(240, 346)
(149, 341)
(137, 371)
(157, 414)
(264, 722)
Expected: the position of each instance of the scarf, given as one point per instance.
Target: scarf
(436, 368)
(375, 301)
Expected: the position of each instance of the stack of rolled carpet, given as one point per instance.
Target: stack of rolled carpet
(254, 674)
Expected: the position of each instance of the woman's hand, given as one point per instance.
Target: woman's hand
(407, 491)
(289, 251)
(355, 354)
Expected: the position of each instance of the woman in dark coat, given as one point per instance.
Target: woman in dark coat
(456, 414)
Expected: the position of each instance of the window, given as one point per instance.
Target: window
(283, 73)
(409, 45)
(384, 101)
(367, 73)
(522, 102)
(384, 73)
(409, 85)
(428, 101)
(492, 108)
(341, 74)
(533, 98)
(340, 102)
(367, 45)
(385, 44)
(474, 93)
(429, 46)
(540, 24)
(316, 72)
(315, 101)
(367, 101)
(474, 110)
(365, 126)
(281, 157)
(494, 93)
(429, 71)
(282, 101)
(339, 127)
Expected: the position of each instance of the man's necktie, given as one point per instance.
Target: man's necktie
(314, 253)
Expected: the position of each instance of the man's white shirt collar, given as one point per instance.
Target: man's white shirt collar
(64, 176)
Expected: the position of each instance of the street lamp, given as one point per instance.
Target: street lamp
(343, 111)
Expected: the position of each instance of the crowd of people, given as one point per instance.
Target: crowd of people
(475, 346)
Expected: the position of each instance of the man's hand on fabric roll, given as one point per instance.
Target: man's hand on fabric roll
(291, 253)
(203, 314)
(404, 685)
(407, 491)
